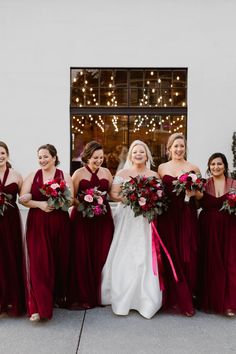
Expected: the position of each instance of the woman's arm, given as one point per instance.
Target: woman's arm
(26, 189)
(69, 183)
(115, 193)
(76, 177)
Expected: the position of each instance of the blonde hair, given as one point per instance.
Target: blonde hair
(171, 141)
(149, 162)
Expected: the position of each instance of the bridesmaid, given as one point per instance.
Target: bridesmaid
(47, 239)
(91, 237)
(217, 278)
(178, 229)
(11, 260)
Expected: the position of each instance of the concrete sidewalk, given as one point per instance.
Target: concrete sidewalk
(99, 331)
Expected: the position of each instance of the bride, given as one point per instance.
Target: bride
(128, 280)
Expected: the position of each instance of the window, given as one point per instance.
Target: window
(118, 105)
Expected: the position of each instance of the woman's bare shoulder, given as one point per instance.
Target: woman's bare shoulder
(80, 171)
(192, 167)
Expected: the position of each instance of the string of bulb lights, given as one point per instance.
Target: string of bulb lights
(155, 93)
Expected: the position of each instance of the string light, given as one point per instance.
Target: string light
(155, 92)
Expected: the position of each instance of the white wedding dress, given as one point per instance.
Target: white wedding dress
(128, 280)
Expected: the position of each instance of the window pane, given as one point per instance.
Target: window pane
(110, 131)
(155, 130)
(145, 88)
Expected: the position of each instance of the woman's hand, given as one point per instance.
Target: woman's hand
(190, 193)
(25, 198)
(45, 207)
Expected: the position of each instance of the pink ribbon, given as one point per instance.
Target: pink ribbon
(156, 256)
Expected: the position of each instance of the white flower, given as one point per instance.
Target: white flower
(55, 186)
(193, 176)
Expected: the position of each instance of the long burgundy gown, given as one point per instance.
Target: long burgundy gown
(178, 228)
(47, 259)
(91, 240)
(217, 277)
(12, 299)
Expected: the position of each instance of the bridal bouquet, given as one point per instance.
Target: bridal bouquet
(91, 202)
(145, 196)
(190, 181)
(58, 193)
(229, 204)
(5, 201)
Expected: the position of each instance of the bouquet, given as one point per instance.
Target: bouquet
(190, 181)
(58, 193)
(92, 202)
(5, 202)
(145, 196)
(229, 204)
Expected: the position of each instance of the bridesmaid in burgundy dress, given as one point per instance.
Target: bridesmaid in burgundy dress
(91, 237)
(12, 300)
(217, 278)
(47, 239)
(178, 230)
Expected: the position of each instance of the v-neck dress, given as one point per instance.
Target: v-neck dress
(217, 261)
(47, 258)
(12, 299)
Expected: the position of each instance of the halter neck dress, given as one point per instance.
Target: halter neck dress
(91, 240)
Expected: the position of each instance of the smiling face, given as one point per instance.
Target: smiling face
(177, 149)
(3, 156)
(46, 160)
(139, 155)
(96, 160)
(217, 167)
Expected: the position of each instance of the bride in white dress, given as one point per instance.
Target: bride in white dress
(128, 280)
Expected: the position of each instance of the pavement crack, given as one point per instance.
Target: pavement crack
(80, 333)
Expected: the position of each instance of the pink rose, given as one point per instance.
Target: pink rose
(97, 210)
(100, 200)
(142, 201)
(160, 193)
(54, 193)
(183, 178)
(90, 191)
(88, 198)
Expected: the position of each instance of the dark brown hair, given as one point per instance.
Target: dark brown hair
(224, 160)
(52, 151)
(89, 149)
(4, 146)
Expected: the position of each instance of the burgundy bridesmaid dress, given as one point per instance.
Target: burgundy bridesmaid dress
(217, 263)
(12, 299)
(178, 228)
(91, 240)
(48, 242)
